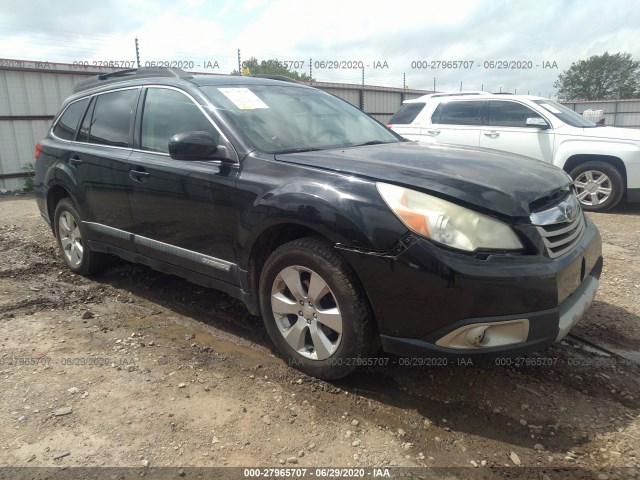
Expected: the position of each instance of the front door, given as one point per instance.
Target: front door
(183, 211)
(505, 129)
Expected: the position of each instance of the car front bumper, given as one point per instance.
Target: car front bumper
(429, 301)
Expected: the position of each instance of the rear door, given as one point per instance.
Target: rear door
(182, 210)
(505, 129)
(456, 122)
(97, 158)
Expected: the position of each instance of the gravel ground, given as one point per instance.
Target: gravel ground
(136, 368)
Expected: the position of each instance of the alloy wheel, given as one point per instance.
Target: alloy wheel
(306, 312)
(70, 238)
(593, 187)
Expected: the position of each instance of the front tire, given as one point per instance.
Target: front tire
(314, 309)
(71, 236)
(599, 185)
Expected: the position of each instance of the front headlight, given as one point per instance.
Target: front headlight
(446, 222)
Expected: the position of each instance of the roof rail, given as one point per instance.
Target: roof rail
(457, 94)
(128, 74)
(275, 77)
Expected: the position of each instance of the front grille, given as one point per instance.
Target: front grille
(561, 238)
(561, 227)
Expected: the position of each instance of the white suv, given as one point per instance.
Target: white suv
(604, 162)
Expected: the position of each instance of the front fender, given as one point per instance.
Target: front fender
(344, 209)
(627, 151)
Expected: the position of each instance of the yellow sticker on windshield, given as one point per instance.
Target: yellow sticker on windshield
(243, 98)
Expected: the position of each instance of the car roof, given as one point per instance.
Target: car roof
(471, 95)
(203, 80)
(172, 76)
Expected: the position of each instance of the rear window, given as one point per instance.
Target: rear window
(407, 113)
(68, 123)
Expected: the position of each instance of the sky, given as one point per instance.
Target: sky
(411, 43)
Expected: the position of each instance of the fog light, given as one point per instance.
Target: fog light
(487, 335)
(475, 336)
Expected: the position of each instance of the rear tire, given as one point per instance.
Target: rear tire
(314, 309)
(599, 185)
(71, 236)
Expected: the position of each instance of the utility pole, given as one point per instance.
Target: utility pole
(362, 92)
(310, 70)
(460, 86)
(434, 84)
(239, 63)
(137, 53)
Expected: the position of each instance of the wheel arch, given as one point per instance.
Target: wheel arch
(55, 193)
(272, 238)
(575, 160)
(266, 243)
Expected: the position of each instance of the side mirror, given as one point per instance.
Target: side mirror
(537, 122)
(192, 146)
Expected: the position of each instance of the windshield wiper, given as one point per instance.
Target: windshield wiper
(297, 150)
(372, 142)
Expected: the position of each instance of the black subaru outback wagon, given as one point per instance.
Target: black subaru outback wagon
(341, 235)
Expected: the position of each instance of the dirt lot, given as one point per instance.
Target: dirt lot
(137, 368)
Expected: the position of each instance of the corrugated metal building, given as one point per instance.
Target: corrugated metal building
(617, 113)
(31, 94)
(379, 102)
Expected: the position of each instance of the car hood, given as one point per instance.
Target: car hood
(489, 179)
(613, 133)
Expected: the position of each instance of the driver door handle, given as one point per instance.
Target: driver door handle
(433, 132)
(492, 134)
(138, 174)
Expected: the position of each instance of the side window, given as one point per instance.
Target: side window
(111, 120)
(509, 114)
(167, 112)
(459, 113)
(66, 127)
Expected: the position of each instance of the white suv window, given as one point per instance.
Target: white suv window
(407, 113)
(458, 113)
(509, 114)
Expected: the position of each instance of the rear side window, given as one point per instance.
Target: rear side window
(111, 120)
(458, 113)
(167, 112)
(509, 114)
(66, 127)
(407, 113)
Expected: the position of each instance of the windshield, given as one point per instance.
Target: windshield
(565, 114)
(280, 119)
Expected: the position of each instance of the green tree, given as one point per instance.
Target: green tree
(600, 77)
(270, 67)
